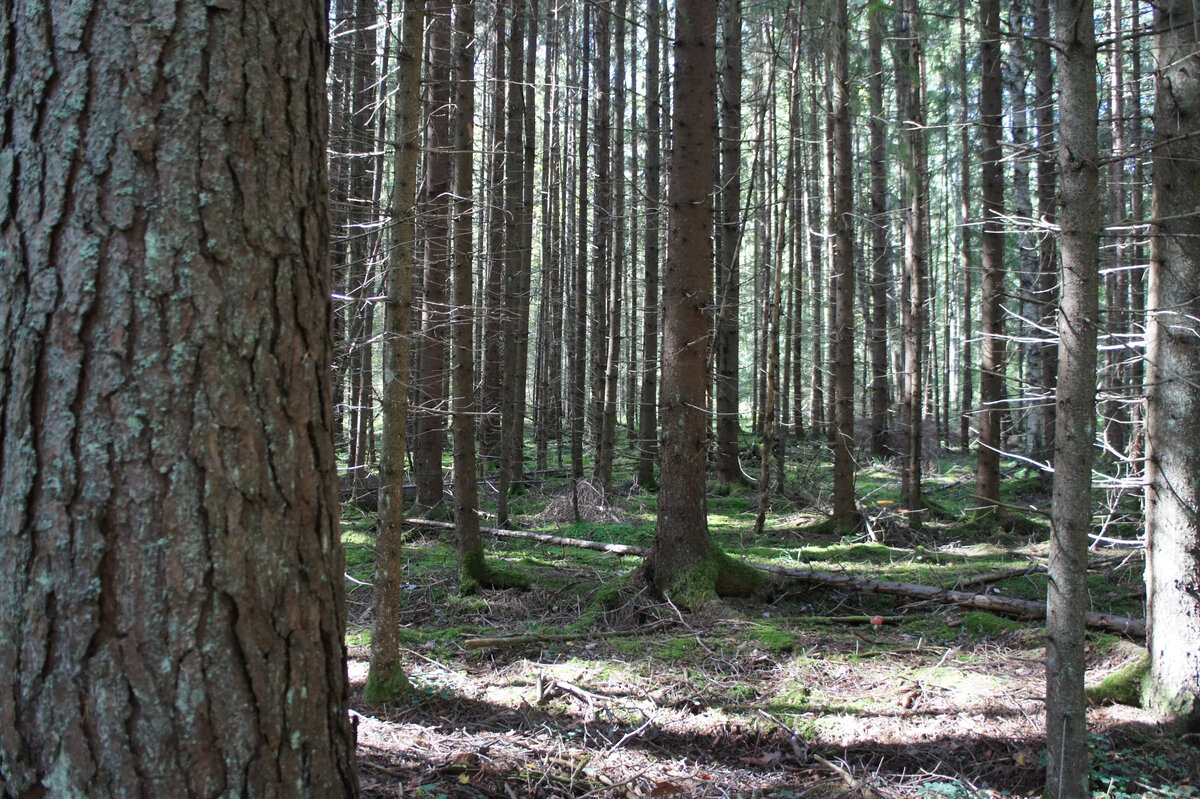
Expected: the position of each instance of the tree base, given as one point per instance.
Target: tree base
(383, 688)
(706, 580)
(476, 575)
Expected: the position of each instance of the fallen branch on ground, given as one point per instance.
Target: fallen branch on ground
(536, 638)
(1018, 607)
(600, 546)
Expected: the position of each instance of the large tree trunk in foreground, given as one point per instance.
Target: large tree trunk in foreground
(684, 562)
(1173, 358)
(170, 566)
(1075, 425)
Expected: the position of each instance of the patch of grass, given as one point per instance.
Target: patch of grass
(980, 624)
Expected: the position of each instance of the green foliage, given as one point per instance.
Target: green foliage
(1121, 770)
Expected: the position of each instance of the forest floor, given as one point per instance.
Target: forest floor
(795, 692)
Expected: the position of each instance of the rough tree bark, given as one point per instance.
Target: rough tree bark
(1173, 377)
(1075, 427)
(685, 563)
(170, 565)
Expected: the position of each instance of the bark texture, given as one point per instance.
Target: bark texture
(684, 561)
(1173, 377)
(1075, 417)
(170, 567)
(991, 314)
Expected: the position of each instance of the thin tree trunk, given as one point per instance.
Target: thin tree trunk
(844, 509)
(1075, 429)
(1046, 290)
(992, 362)
(431, 358)
(648, 397)
(880, 266)
(912, 132)
(729, 234)
(386, 680)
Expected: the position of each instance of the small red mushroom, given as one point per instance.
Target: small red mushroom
(877, 622)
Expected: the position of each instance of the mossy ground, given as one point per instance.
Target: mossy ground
(628, 692)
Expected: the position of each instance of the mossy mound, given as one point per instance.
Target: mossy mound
(1125, 685)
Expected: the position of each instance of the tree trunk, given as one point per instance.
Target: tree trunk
(909, 89)
(991, 313)
(1046, 289)
(684, 562)
(648, 417)
(431, 357)
(1075, 429)
(881, 277)
(1173, 358)
(844, 509)
(385, 679)
(170, 566)
(967, 385)
(728, 307)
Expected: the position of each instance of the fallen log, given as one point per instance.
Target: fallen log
(599, 546)
(1135, 628)
(1017, 607)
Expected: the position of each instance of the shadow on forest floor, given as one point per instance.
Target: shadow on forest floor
(793, 693)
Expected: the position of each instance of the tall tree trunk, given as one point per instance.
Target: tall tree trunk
(991, 313)
(1029, 347)
(608, 433)
(684, 562)
(648, 397)
(1173, 377)
(881, 277)
(966, 267)
(386, 680)
(495, 312)
(578, 310)
(431, 357)
(1046, 290)
(1116, 290)
(359, 232)
(1075, 430)
(909, 89)
(728, 308)
(170, 567)
(601, 255)
(844, 509)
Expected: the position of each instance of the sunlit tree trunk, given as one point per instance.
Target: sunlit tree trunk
(1173, 376)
